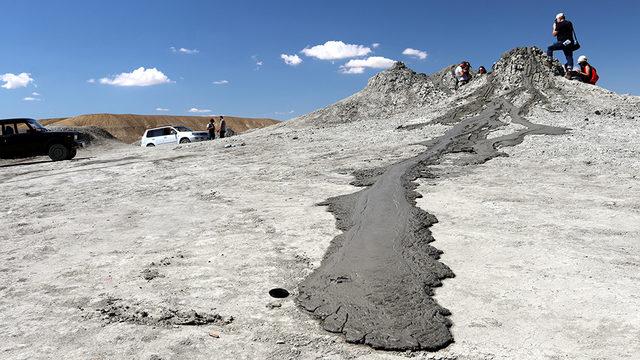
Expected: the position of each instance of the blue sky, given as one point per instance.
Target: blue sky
(63, 44)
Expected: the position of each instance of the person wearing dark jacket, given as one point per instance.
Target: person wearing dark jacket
(223, 127)
(211, 128)
(563, 31)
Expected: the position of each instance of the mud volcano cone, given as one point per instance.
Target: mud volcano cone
(375, 283)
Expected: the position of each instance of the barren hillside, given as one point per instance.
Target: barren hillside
(129, 128)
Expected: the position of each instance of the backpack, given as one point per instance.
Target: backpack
(594, 76)
(455, 78)
(453, 70)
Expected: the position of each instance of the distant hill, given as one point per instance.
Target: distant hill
(129, 128)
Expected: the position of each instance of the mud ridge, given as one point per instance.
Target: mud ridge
(113, 310)
(375, 283)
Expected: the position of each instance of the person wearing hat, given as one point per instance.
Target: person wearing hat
(563, 31)
(587, 73)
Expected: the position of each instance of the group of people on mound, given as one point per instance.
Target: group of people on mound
(566, 40)
(211, 128)
(462, 73)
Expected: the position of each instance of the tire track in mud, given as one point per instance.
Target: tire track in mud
(83, 166)
(375, 283)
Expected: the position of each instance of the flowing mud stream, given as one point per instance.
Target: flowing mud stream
(375, 282)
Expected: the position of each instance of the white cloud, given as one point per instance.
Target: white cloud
(162, 109)
(376, 62)
(357, 66)
(415, 53)
(34, 97)
(352, 70)
(138, 77)
(285, 112)
(257, 61)
(13, 81)
(91, 81)
(375, 45)
(221, 82)
(292, 60)
(184, 51)
(196, 110)
(334, 50)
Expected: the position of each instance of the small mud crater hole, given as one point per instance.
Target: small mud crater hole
(279, 293)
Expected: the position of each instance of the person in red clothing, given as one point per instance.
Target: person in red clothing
(587, 73)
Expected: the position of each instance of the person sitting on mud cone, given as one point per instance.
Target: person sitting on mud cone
(482, 70)
(563, 31)
(462, 73)
(587, 74)
(211, 128)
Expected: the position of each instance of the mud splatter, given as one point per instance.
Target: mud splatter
(113, 310)
(150, 274)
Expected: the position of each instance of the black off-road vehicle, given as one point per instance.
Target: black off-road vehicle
(26, 137)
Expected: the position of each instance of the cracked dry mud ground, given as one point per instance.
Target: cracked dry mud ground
(375, 282)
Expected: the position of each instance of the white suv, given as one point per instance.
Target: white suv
(171, 135)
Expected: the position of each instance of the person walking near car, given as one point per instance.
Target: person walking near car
(223, 127)
(565, 41)
(211, 128)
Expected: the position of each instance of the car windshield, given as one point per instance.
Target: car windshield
(36, 125)
(182, 128)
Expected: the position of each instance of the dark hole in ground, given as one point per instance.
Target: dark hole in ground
(278, 293)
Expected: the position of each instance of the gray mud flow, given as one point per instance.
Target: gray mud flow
(375, 283)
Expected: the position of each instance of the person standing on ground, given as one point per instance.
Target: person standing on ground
(563, 31)
(223, 127)
(211, 128)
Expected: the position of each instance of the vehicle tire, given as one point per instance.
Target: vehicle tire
(72, 154)
(184, 140)
(151, 145)
(58, 152)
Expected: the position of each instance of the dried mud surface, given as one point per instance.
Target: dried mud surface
(375, 284)
(543, 242)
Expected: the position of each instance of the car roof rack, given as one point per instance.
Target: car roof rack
(16, 119)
